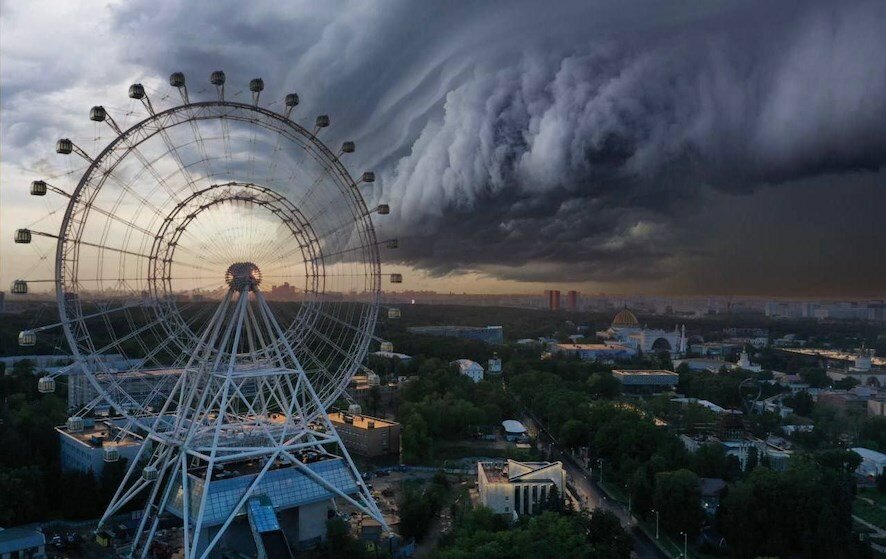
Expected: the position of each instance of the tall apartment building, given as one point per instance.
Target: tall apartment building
(553, 297)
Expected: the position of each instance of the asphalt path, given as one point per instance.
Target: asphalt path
(592, 496)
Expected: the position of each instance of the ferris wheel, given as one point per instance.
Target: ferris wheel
(217, 277)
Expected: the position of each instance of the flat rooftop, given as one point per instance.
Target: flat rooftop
(359, 421)
(646, 376)
(102, 431)
(644, 372)
(495, 472)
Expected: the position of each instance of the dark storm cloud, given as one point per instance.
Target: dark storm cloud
(565, 140)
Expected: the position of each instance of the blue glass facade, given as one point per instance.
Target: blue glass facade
(285, 487)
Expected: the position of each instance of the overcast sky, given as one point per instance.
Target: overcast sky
(634, 146)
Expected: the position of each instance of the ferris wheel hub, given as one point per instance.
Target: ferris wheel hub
(243, 275)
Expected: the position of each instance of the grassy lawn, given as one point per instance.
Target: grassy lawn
(871, 513)
(874, 495)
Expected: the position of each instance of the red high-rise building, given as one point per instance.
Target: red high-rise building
(553, 296)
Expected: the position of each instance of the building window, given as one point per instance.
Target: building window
(516, 497)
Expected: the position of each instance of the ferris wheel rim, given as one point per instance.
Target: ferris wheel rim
(66, 282)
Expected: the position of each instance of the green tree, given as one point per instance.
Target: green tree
(415, 441)
(340, 543)
(678, 498)
(801, 403)
(606, 537)
(573, 434)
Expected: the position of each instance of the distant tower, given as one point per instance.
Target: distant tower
(553, 296)
(744, 361)
(683, 339)
(572, 300)
(864, 361)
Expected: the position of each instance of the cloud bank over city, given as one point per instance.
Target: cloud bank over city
(711, 149)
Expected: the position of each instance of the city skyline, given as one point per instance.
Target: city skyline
(707, 150)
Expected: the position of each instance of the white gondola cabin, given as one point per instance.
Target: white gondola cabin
(97, 113)
(27, 338)
(217, 78)
(19, 287)
(291, 100)
(393, 243)
(150, 473)
(46, 385)
(38, 188)
(396, 278)
(393, 313)
(383, 209)
(136, 91)
(322, 121)
(75, 424)
(110, 453)
(348, 147)
(257, 85)
(23, 236)
(368, 176)
(177, 79)
(387, 346)
(64, 146)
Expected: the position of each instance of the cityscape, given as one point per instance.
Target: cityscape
(395, 280)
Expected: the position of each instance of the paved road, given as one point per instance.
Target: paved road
(592, 497)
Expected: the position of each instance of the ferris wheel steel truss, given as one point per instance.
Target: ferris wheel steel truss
(225, 383)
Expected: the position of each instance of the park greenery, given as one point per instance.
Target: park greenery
(32, 485)
(621, 436)
(480, 533)
(442, 405)
(634, 442)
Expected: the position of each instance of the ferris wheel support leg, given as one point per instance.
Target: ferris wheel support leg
(221, 531)
(369, 502)
(150, 507)
(238, 318)
(161, 508)
(118, 500)
(186, 502)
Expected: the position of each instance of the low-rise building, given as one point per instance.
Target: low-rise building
(711, 490)
(646, 381)
(876, 407)
(470, 369)
(488, 334)
(702, 364)
(595, 352)
(873, 463)
(514, 430)
(367, 436)
(22, 543)
(97, 443)
(519, 488)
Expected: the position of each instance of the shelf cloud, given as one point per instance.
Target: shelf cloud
(586, 141)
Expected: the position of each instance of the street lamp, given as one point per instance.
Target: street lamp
(628, 491)
(656, 523)
(685, 544)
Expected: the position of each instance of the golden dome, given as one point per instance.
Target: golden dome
(625, 319)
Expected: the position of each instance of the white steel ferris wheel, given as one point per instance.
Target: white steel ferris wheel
(217, 278)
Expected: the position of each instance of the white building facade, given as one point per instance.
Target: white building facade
(626, 331)
(470, 369)
(519, 488)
